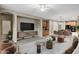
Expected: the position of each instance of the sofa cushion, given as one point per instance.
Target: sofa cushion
(11, 49)
(75, 42)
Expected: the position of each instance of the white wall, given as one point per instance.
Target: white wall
(53, 26)
(14, 28)
(19, 14)
(62, 25)
(37, 23)
(6, 26)
(50, 27)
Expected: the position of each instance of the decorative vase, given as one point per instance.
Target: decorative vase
(38, 49)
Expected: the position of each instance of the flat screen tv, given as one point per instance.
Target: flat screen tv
(26, 26)
(68, 27)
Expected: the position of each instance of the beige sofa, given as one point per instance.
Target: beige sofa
(73, 47)
(7, 47)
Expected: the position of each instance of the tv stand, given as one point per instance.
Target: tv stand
(26, 34)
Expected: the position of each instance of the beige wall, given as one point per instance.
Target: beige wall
(72, 23)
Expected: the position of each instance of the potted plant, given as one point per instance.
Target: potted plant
(49, 43)
(9, 35)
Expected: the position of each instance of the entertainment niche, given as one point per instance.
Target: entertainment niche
(27, 29)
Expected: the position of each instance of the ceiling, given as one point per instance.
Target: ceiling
(55, 10)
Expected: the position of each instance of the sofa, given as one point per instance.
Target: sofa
(73, 47)
(62, 32)
(7, 47)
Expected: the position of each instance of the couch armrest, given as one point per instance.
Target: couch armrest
(10, 50)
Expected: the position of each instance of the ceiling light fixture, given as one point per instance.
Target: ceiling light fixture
(43, 7)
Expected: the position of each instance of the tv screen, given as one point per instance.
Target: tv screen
(68, 27)
(26, 26)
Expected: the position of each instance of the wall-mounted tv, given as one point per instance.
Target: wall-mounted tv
(26, 26)
(72, 28)
(68, 27)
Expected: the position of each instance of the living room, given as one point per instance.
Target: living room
(28, 28)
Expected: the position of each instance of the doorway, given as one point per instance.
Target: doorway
(45, 27)
(5, 24)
